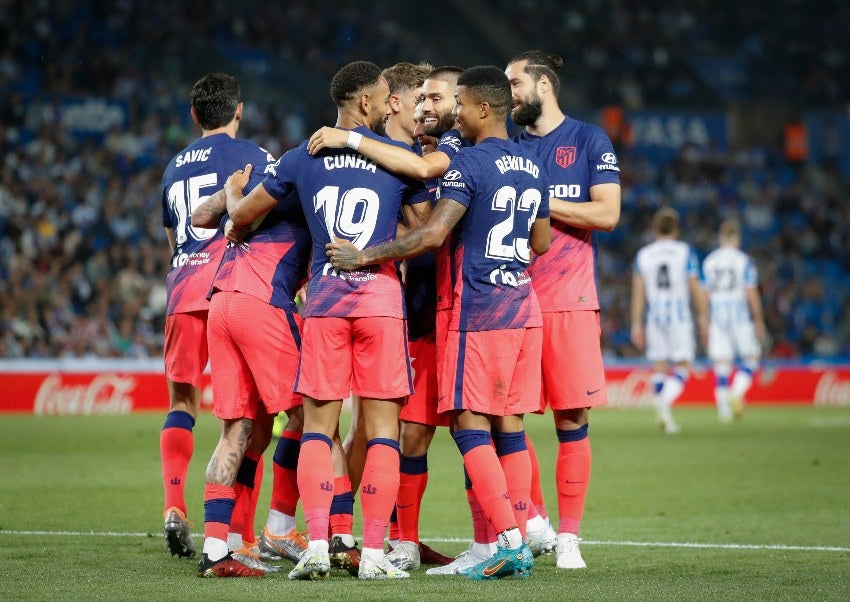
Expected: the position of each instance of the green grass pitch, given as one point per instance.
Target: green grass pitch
(755, 510)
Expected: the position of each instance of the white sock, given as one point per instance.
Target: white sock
(279, 523)
(673, 387)
(373, 554)
(741, 383)
(347, 538)
(510, 539)
(721, 398)
(214, 548)
(535, 524)
(483, 550)
(320, 545)
(234, 541)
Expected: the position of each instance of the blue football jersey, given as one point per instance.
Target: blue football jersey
(348, 196)
(504, 188)
(193, 175)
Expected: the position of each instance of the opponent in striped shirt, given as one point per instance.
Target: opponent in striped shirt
(665, 283)
(736, 327)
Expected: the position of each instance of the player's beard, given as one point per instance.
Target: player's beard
(528, 111)
(445, 122)
(379, 126)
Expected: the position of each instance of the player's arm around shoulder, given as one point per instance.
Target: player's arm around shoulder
(243, 210)
(427, 237)
(393, 158)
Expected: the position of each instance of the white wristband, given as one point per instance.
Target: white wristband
(354, 139)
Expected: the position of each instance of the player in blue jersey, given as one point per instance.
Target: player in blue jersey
(496, 195)
(354, 337)
(253, 377)
(194, 174)
(437, 104)
(584, 191)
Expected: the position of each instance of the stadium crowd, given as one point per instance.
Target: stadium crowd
(83, 256)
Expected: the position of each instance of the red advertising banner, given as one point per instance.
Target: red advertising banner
(825, 385)
(47, 389)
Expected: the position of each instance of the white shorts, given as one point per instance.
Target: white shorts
(673, 342)
(725, 343)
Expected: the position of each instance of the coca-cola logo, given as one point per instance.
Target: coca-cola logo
(832, 390)
(632, 391)
(105, 394)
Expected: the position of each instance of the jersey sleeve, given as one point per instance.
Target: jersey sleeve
(166, 214)
(450, 144)
(262, 163)
(457, 183)
(416, 192)
(278, 181)
(603, 165)
(751, 278)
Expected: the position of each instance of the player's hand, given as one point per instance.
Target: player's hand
(302, 294)
(237, 181)
(327, 137)
(343, 255)
(234, 233)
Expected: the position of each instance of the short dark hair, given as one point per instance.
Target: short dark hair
(406, 76)
(665, 221)
(447, 72)
(215, 98)
(353, 78)
(539, 64)
(488, 83)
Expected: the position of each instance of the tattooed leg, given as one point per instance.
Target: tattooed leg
(228, 454)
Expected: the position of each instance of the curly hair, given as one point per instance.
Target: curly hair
(353, 78)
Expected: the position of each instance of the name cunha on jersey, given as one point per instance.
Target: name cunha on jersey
(198, 154)
(350, 161)
(513, 163)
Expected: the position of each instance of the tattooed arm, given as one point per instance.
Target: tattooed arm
(429, 236)
(209, 213)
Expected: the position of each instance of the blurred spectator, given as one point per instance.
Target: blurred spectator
(82, 259)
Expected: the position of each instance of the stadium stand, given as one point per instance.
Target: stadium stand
(89, 91)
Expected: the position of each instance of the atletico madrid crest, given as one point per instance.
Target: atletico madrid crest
(565, 156)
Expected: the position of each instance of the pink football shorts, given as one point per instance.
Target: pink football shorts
(365, 356)
(495, 372)
(573, 375)
(253, 356)
(421, 405)
(186, 351)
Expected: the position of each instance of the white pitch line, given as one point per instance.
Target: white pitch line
(590, 542)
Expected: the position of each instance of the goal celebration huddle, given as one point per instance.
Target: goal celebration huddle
(417, 259)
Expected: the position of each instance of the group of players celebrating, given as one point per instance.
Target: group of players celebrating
(447, 277)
